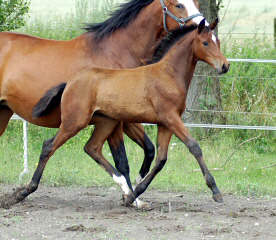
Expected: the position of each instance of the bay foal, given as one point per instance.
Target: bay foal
(29, 66)
(154, 94)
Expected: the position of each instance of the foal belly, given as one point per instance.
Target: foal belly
(130, 113)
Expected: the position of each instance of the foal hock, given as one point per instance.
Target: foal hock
(154, 94)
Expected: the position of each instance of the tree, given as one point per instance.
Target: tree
(12, 14)
(204, 93)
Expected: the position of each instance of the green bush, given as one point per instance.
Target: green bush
(12, 14)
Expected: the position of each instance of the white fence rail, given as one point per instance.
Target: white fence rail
(192, 125)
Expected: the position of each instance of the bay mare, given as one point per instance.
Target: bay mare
(153, 94)
(29, 65)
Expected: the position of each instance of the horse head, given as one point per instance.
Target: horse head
(177, 13)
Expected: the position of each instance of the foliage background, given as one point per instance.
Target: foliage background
(12, 14)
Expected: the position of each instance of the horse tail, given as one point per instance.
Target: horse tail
(49, 101)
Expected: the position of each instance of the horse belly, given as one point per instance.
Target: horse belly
(26, 78)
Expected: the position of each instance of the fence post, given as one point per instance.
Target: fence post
(25, 141)
(275, 32)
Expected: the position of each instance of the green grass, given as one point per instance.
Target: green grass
(71, 166)
(244, 91)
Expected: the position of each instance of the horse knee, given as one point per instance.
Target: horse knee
(89, 150)
(92, 150)
(195, 149)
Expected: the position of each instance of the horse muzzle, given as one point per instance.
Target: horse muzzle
(224, 68)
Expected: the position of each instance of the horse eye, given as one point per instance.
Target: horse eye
(180, 5)
(205, 43)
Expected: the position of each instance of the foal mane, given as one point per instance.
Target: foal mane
(120, 18)
(169, 40)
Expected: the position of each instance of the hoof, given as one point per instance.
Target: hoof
(128, 200)
(218, 198)
(139, 204)
(8, 200)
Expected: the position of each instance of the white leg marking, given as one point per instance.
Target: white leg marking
(123, 184)
(140, 204)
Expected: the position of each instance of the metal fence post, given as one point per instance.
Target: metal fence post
(25, 141)
(275, 32)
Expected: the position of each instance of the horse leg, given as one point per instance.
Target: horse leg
(94, 149)
(177, 127)
(136, 132)
(66, 131)
(117, 147)
(163, 140)
(5, 116)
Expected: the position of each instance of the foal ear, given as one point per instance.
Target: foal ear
(214, 24)
(201, 26)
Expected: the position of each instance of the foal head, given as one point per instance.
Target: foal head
(206, 47)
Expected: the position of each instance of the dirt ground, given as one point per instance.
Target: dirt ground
(96, 213)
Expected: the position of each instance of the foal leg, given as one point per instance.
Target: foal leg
(5, 116)
(177, 127)
(136, 132)
(163, 140)
(48, 149)
(94, 149)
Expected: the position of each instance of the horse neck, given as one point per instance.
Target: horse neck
(180, 62)
(137, 41)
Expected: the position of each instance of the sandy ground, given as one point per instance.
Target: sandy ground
(96, 213)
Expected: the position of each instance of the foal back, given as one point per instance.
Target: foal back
(129, 95)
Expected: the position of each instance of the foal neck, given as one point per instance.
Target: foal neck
(180, 61)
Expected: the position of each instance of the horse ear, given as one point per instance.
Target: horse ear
(214, 24)
(201, 26)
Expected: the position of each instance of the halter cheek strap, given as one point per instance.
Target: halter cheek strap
(180, 21)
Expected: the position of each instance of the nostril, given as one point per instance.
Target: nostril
(224, 68)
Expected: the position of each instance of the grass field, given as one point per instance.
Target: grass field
(245, 88)
(246, 16)
(71, 166)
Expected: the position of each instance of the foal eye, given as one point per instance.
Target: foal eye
(205, 43)
(180, 5)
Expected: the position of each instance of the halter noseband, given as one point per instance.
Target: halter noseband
(180, 21)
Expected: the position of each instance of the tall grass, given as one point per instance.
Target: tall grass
(247, 87)
(70, 25)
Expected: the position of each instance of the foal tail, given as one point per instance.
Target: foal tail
(49, 101)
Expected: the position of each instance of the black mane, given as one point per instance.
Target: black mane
(118, 19)
(168, 41)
